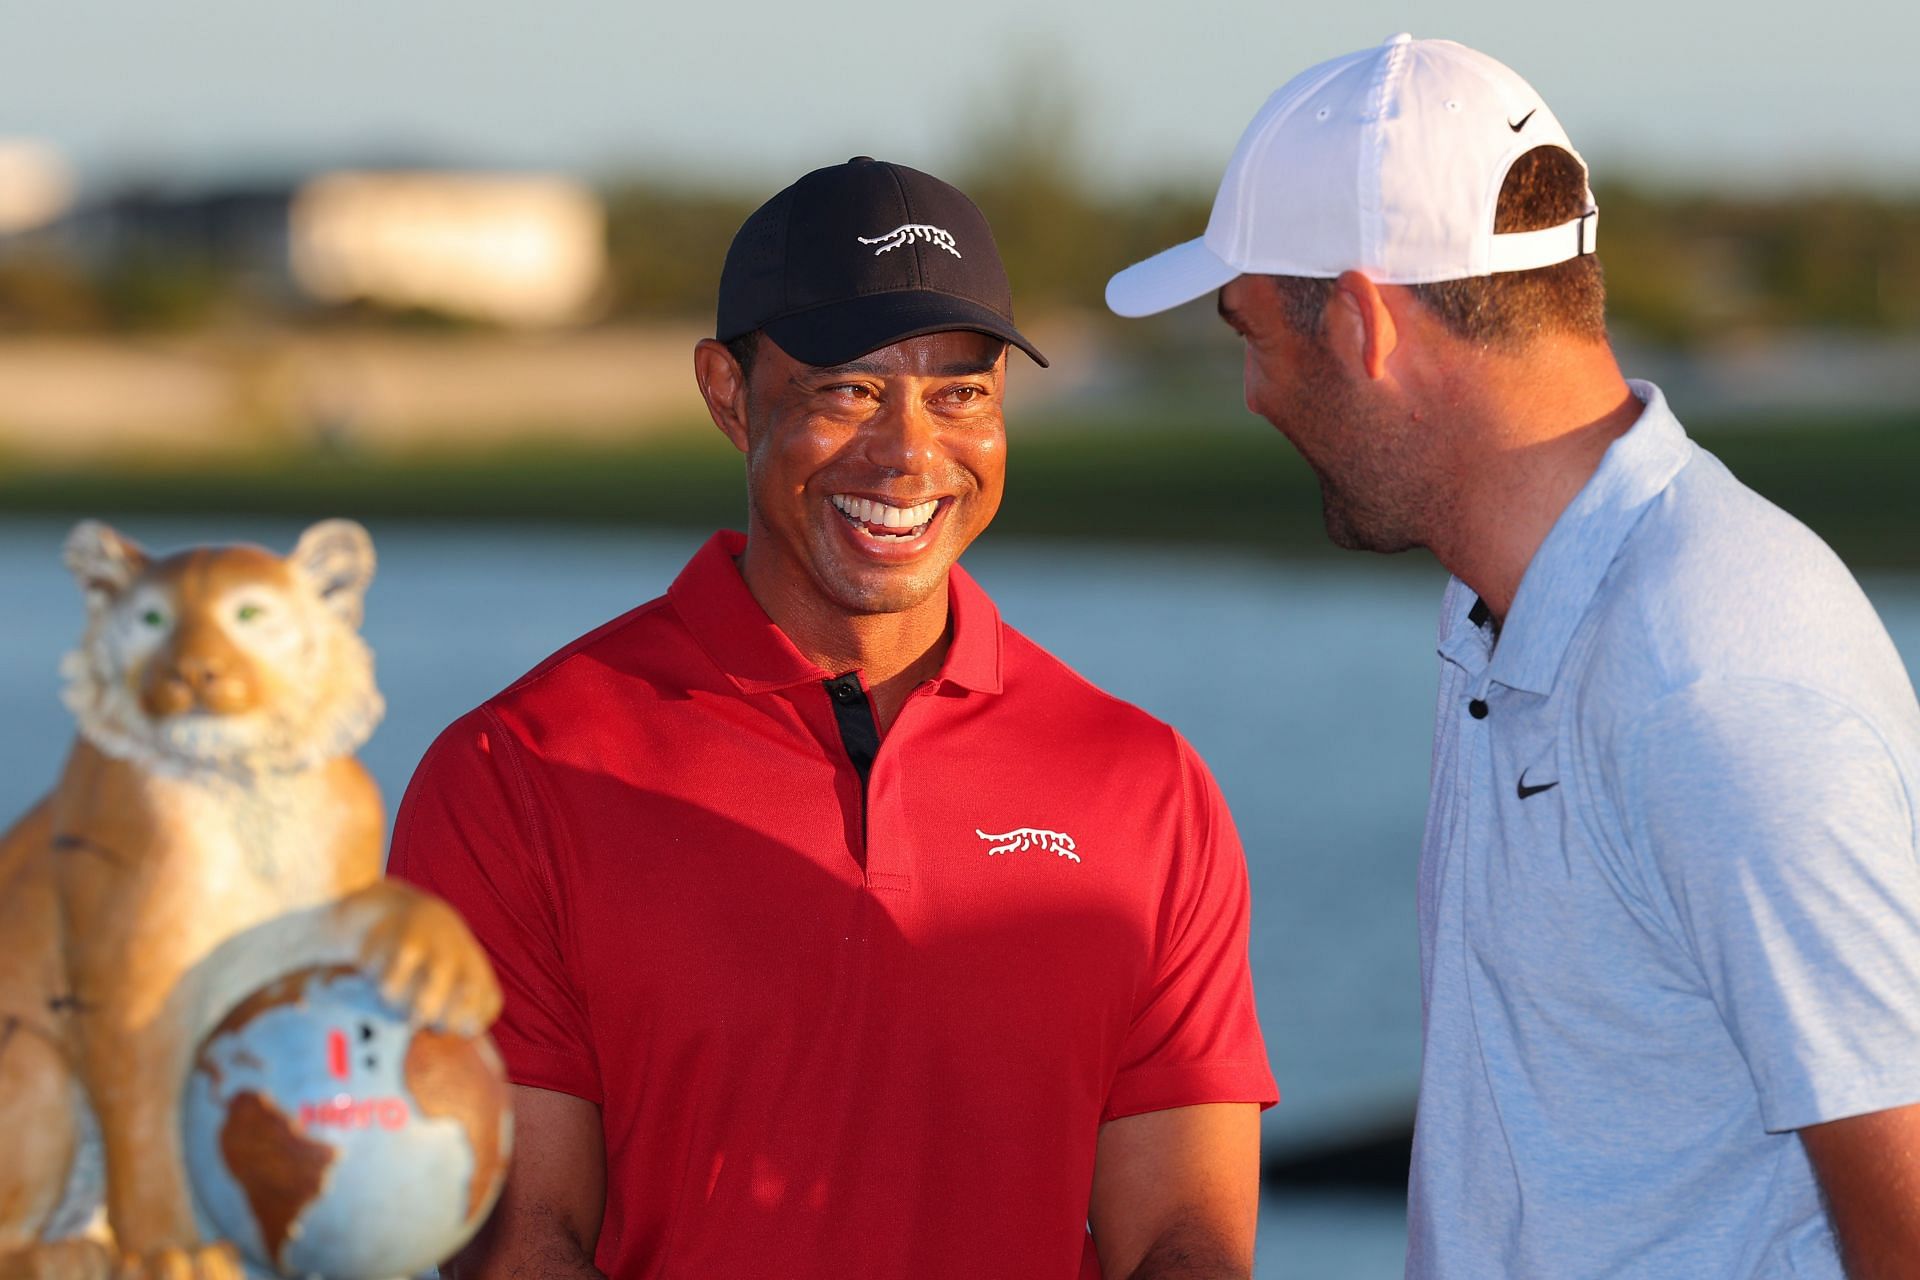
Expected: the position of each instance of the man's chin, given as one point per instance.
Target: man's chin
(898, 592)
(1351, 532)
(861, 585)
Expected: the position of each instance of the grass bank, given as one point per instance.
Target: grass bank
(1236, 483)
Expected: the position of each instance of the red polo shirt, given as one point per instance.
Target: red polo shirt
(835, 1029)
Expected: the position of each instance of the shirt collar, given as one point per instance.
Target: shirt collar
(728, 623)
(1464, 640)
(1566, 571)
(973, 659)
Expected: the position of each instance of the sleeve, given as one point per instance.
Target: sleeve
(1195, 1036)
(467, 832)
(1780, 830)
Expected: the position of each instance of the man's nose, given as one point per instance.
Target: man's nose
(904, 437)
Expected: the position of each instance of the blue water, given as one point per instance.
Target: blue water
(1308, 688)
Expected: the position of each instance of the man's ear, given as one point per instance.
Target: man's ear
(723, 385)
(1360, 326)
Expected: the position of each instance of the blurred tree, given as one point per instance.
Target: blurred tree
(1653, 275)
(146, 290)
(41, 291)
(1684, 267)
(1018, 163)
(1061, 237)
(665, 244)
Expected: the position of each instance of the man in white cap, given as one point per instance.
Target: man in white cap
(1669, 892)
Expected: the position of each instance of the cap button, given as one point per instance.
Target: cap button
(862, 160)
(1405, 37)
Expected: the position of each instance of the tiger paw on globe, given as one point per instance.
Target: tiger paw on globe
(327, 1137)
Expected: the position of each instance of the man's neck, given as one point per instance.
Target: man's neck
(894, 652)
(1539, 428)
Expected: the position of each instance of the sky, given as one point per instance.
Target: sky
(753, 92)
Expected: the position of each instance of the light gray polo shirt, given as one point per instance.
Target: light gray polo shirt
(1669, 890)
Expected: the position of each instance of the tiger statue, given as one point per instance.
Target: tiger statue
(210, 831)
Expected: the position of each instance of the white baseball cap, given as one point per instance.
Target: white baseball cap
(1387, 161)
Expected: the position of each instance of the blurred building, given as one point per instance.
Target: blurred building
(34, 186)
(238, 231)
(526, 252)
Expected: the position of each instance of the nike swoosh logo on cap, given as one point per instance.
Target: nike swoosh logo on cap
(1523, 121)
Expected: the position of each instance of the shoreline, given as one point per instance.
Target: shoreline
(1221, 481)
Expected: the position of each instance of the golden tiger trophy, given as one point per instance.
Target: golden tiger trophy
(182, 915)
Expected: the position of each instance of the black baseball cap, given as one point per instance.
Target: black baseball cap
(859, 256)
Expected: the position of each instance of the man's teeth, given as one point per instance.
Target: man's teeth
(866, 511)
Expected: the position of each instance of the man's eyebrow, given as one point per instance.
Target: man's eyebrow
(966, 368)
(956, 369)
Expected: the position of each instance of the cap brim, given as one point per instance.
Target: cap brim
(1180, 274)
(846, 330)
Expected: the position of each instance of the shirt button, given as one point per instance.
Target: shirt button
(1477, 709)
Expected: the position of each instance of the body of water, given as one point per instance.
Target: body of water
(1307, 688)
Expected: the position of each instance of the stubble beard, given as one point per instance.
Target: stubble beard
(894, 591)
(1369, 496)
(858, 589)
(1354, 525)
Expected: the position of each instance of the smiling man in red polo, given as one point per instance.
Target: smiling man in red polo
(844, 932)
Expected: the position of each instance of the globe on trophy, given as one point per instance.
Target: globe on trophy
(327, 1137)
